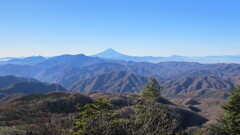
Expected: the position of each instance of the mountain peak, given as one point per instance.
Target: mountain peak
(110, 49)
(109, 53)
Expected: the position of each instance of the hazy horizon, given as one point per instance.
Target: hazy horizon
(116, 51)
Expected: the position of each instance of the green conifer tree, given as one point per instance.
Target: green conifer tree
(230, 120)
(148, 117)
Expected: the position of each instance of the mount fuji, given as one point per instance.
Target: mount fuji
(112, 54)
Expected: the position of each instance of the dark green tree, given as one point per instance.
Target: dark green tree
(151, 90)
(98, 119)
(151, 116)
(230, 120)
(145, 117)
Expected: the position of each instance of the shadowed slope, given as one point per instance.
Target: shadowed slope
(31, 88)
(119, 81)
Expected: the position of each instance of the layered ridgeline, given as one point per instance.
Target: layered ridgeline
(81, 73)
(118, 82)
(122, 82)
(23, 61)
(31, 88)
(112, 54)
(64, 66)
(204, 85)
(200, 86)
(13, 87)
(9, 80)
(74, 68)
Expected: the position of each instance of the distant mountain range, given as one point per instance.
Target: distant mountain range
(29, 86)
(23, 61)
(122, 82)
(189, 84)
(6, 81)
(80, 73)
(112, 54)
(68, 69)
(8, 58)
(118, 82)
(200, 86)
(12, 87)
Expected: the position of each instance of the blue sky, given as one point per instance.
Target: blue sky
(134, 27)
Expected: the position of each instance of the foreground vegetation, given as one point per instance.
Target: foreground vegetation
(146, 116)
(110, 114)
(230, 119)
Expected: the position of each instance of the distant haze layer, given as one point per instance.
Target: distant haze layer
(115, 55)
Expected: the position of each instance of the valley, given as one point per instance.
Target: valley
(46, 88)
